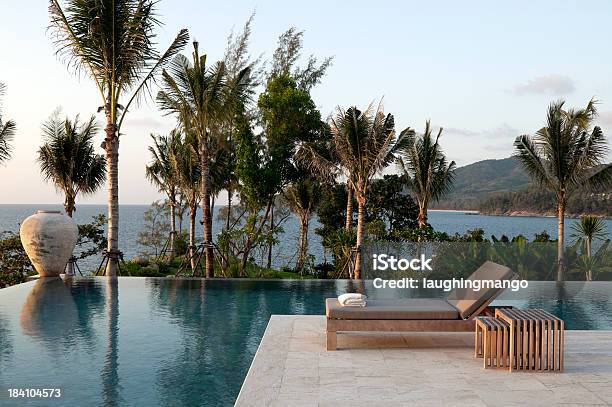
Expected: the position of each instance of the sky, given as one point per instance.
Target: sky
(484, 71)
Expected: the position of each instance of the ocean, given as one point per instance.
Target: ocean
(131, 223)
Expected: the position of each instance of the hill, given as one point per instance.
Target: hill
(476, 182)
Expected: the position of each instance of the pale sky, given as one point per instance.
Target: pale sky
(483, 70)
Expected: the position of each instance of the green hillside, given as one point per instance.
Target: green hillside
(477, 181)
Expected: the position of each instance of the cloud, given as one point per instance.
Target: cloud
(505, 131)
(605, 119)
(555, 85)
(461, 132)
(143, 121)
(502, 131)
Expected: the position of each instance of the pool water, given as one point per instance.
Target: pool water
(167, 342)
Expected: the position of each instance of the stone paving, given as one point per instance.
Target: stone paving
(292, 368)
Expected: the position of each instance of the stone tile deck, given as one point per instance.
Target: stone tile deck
(292, 368)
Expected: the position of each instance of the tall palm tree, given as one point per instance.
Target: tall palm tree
(162, 174)
(68, 159)
(565, 156)
(587, 230)
(302, 198)
(363, 143)
(113, 43)
(7, 131)
(186, 166)
(426, 169)
(199, 96)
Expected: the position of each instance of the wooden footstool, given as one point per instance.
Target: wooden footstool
(491, 341)
(536, 339)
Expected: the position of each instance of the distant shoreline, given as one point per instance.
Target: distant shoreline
(522, 214)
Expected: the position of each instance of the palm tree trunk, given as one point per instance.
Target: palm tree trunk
(229, 208)
(69, 208)
(588, 253)
(560, 238)
(206, 218)
(360, 227)
(299, 265)
(172, 228)
(193, 208)
(349, 206)
(111, 145)
(422, 216)
(270, 243)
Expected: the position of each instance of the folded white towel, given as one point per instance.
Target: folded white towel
(352, 300)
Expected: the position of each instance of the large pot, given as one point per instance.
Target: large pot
(49, 238)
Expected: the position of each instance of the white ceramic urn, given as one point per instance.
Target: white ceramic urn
(49, 238)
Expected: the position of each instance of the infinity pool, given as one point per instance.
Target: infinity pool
(166, 342)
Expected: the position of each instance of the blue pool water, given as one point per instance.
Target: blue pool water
(166, 342)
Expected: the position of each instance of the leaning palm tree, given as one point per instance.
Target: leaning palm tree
(186, 166)
(587, 230)
(198, 95)
(426, 169)
(7, 131)
(160, 172)
(565, 156)
(68, 159)
(113, 43)
(302, 198)
(363, 143)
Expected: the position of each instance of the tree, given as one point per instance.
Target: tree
(587, 230)
(425, 168)
(199, 97)
(258, 186)
(162, 174)
(236, 60)
(186, 166)
(113, 43)
(302, 198)
(289, 117)
(155, 229)
(363, 143)
(564, 157)
(388, 202)
(68, 159)
(7, 131)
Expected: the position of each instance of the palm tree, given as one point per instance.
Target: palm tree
(565, 156)
(68, 159)
(162, 174)
(426, 169)
(363, 143)
(587, 230)
(302, 198)
(186, 166)
(113, 43)
(199, 96)
(7, 131)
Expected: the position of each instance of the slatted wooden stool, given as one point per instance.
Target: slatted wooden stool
(491, 341)
(536, 339)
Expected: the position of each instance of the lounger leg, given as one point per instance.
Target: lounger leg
(332, 340)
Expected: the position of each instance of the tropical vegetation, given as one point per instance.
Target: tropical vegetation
(7, 131)
(68, 159)
(566, 156)
(114, 45)
(252, 129)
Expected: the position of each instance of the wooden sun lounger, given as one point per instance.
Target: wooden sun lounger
(457, 313)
